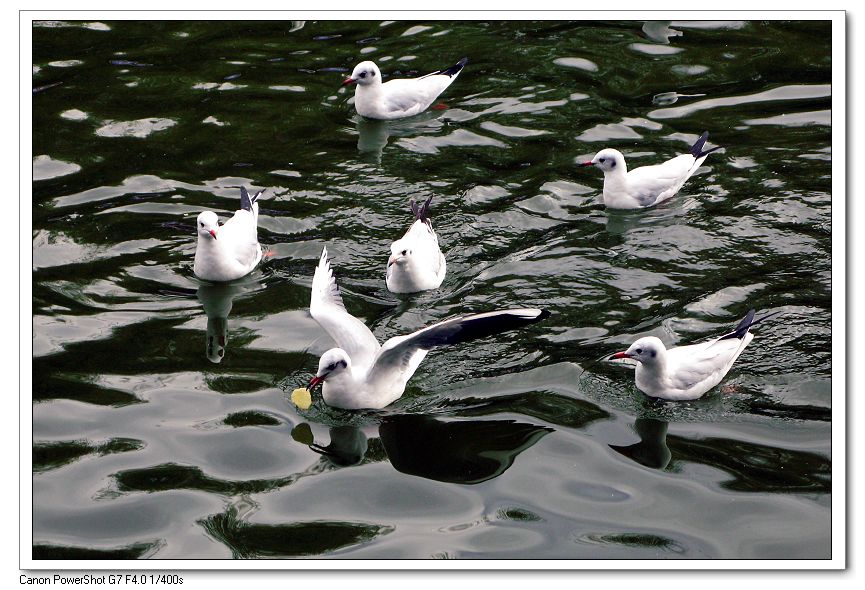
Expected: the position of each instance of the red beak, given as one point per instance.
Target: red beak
(348, 81)
(584, 164)
(313, 383)
(620, 355)
(213, 233)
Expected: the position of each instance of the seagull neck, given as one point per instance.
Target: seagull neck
(342, 389)
(654, 371)
(368, 91)
(619, 173)
(208, 244)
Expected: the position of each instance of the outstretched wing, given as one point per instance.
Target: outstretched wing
(327, 308)
(402, 354)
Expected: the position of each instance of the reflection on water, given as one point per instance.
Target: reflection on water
(373, 135)
(466, 452)
(651, 450)
(217, 299)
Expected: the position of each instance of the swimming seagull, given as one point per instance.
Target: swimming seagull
(648, 185)
(229, 251)
(416, 263)
(687, 372)
(396, 99)
(360, 373)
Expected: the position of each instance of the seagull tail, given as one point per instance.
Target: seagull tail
(456, 68)
(747, 322)
(697, 149)
(246, 202)
(421, 211)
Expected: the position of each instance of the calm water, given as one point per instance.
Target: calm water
(162, 425)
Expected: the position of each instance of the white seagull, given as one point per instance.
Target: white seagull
(648, 185)
(687, 372)
(416, 263)
(229, 251)
(396, 99)
(360, 373)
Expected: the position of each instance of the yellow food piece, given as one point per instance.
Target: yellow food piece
(301, 398)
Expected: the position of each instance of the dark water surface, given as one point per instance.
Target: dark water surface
(152, 440)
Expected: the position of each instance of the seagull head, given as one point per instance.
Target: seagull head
(207, 225)
(364, 73)
(400, 253)
(647, 350)
(332, 363)
(608, 160)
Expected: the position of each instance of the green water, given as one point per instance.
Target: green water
(523, 446)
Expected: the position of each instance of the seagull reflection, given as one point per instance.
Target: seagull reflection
(453, 451)
(652, 450)
(660, 31)
(348, 445)
(217, 300)
(373, 134)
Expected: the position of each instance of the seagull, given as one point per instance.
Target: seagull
(229, 251)
(687, 372)
(649, 185)
(416, 263)
(361, 373)
(397, 99)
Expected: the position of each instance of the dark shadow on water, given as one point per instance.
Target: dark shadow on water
(466, 452)
(652, 450)
(751, 467)
(755, 467)
(135, 551)
(298, 539)
(453, 451)
(172, 476)
(75, 386)
(553, 408)
(51, 455)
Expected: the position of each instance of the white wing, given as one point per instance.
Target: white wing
(239, 237)
(652, 184)
(413, 95)
(327, 308)
(425, 244)
(704, 363)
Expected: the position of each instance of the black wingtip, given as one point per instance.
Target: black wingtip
(421, 211)
(245, 200)
(545, 313)
(456, 68)
(697, 149)
(746, 324)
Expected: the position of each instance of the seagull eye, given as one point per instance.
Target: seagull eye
(404, 252)
(639, 351)
(363, 74)
(601, 160)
